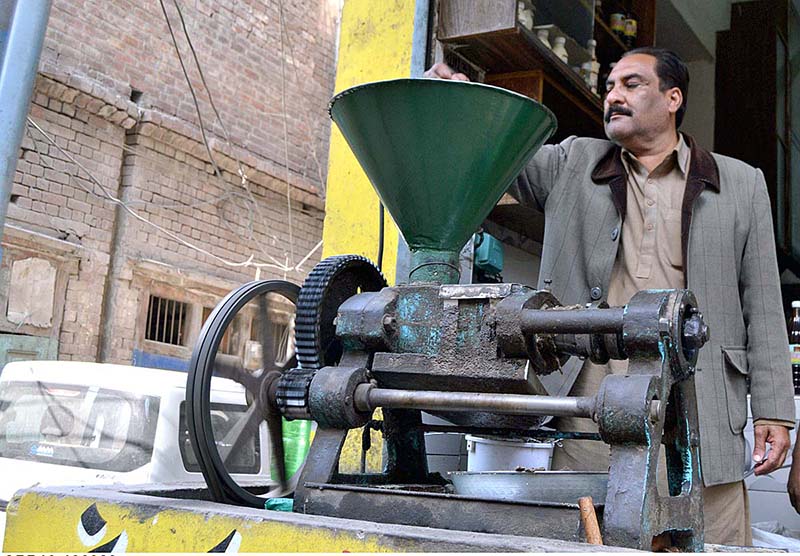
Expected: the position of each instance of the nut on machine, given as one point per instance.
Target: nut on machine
(471, 354)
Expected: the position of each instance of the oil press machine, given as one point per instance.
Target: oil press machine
(471, 354)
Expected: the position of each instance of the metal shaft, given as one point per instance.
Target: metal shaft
(572, 321)
(369, 398)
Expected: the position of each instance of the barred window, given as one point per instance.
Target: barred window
(165, 320)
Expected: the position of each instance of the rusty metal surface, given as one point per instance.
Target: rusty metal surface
(331, 397)
(460, 353)
(658, 370)
(445, 511)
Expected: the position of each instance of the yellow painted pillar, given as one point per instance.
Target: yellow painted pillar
(379, 39)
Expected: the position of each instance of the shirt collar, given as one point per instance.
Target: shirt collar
(681, 154)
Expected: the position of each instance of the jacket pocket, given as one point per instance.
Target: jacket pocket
(735, 371)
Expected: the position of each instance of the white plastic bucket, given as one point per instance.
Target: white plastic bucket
(490, 454)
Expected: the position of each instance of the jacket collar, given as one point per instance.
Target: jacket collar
(703, 172)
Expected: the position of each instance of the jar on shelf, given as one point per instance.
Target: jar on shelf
(630, 31)
(560, 49)
(794, 345)
(617, 23)
(525, 14)
(593, 66)
(543, 35)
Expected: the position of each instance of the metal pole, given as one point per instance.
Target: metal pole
(572, 321)
(22, 27)
(368, 398)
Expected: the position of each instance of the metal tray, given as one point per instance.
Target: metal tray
(559, 487)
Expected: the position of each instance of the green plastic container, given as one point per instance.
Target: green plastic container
(296, 442)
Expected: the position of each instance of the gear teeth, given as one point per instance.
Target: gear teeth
(293, 387)
(311, 302)
(292, 394)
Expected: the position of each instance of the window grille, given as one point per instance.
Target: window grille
(165, 320)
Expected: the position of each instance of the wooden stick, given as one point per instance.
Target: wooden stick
(589, 520)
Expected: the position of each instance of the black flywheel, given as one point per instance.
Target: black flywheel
(245, 346)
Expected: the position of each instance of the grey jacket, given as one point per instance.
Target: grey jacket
(731, 267)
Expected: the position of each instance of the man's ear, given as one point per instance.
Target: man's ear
(674, 99)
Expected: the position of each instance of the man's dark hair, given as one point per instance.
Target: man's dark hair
(671, 72)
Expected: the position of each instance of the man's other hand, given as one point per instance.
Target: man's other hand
(794, 479)
(778, 438)
(443, 71)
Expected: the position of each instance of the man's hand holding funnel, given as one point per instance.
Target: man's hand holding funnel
(442, 71)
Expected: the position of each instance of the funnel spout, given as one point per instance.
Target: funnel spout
(435, 266)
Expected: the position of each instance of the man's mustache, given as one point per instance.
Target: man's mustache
(616, 110)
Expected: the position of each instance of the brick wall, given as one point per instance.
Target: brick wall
(49, 196)
(122, 45)
(147, 151)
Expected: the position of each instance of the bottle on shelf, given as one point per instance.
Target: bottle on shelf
(794, 345)
(630, 31)
(616, 21)
(525, 13)
(560, 49)
(542, 35)
(593, 73)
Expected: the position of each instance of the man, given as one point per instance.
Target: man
(651, 209)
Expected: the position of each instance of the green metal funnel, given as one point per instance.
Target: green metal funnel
(439, 153)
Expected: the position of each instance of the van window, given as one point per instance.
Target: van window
(247, 459)
(79, 426)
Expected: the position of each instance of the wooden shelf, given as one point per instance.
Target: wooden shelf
(607, 32)
(517, 49)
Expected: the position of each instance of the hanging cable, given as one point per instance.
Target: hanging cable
(381, 211)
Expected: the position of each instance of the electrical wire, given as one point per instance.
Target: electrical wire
(304, 114)
(254, 204)
(191, 90)
(381, 226)
(106, 194)
(226, 135)
(224, 197)
(206, 144)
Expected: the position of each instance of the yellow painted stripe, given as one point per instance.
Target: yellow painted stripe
(50, 523)
(375, 43)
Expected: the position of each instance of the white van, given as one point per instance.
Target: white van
(70, 423)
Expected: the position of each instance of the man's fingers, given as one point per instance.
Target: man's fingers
(760, 438)
(440, 70)
(770, 464)
(780, 445)
(778, 438)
